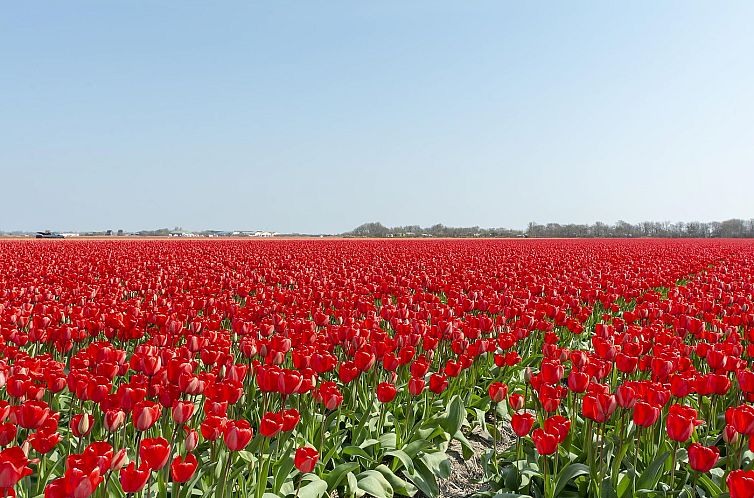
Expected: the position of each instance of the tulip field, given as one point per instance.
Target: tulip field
(348, 368)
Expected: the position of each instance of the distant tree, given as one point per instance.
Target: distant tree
(621, 229)
(374, 229)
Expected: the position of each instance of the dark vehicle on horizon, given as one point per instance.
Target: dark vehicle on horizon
(48, 235)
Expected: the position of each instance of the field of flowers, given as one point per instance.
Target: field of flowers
(347, 367)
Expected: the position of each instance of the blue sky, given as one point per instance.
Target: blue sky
(319, 116)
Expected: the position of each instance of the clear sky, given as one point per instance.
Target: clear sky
(318, 116)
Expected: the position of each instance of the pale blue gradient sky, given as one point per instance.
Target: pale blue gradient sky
(318, 116)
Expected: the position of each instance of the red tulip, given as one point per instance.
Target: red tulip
(680, 422)
(516, 401)
(44, 441)
(681, 385)
(182, 411)
(13, 467)
(416, 386)
(114, 419)
(212, 427)
(551, 371)
(703, 458)
(155, 452)
(550, 397)
(291, 418)
(238, 434)
(419, 367)
(625, 396)
(498, 391)
(81, 424)
(745, 380)
(743, 419)
(626, 364)
(271, 424)
(522, 423)
(645, 415)
(386, 392)
(348, 371)
(182, 469)
(438, 383)
(32, 414)
(306, 459)
(329, 395)
(78, 482)
(578, 381)
(741, 484)
(191, 440)
(145, 415)
(119, 459)
(545, 443)
(559, 426)
(7, 433)
(598, 406)
(133, 480)
(730, 435)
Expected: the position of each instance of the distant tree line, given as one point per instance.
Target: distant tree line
(379, 230)
(734, 228)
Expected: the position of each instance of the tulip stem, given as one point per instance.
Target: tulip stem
(138, 440)
(636, 458)
(740, 451)
(226, 469)
(603, 465)
(672, 464)
(494, 436)
(298, 486)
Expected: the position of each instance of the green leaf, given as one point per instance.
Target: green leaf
(709, 486)
(375, 484)
(438, 463)
(353, 486)
(608, 491)
(399, 485)
(356, 451)
(567, 474)
(388, 440)
(651, 475)
(466, 448)
(424, 479)
(480, 420)
(336, 475)
(530, 360)
(624, 484)
(332, 451)
(415, 447)
(368, 443)
(282, 472)
(617, 461)
(511, 477)
(262, 484)
(402, 457)
(316, 488)
(455, 414)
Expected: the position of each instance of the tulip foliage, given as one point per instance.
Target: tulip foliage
(308, 368)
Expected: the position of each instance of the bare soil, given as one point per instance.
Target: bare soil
(466, 475)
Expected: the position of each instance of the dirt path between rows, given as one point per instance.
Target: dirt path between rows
(466, 475)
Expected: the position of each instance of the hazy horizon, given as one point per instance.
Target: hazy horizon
(317, 117)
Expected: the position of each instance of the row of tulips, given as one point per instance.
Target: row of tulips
(306, 368)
